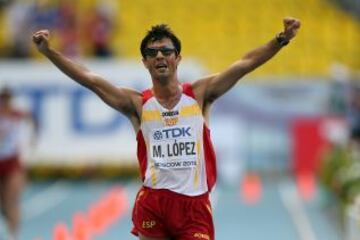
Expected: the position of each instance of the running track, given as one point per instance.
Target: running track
(279, 215)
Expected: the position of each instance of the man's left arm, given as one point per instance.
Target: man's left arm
(208, 89)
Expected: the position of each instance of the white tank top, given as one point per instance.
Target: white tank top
(171, 147)
(9, 135)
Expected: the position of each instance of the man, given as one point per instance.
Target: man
(177, 161)
(354, 120)
(12, 175)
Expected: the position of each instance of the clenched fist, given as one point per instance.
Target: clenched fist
(41, 40)
(291, 26)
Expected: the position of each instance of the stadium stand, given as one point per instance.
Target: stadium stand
(219, 32)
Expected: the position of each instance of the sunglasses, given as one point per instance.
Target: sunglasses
(153, 52)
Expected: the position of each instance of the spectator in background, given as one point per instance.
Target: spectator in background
(22, 17)
(43, 14)
(12, 175)
(18, 25)
(4, 3)
(354, 120)
(99, 29)
(67, 28)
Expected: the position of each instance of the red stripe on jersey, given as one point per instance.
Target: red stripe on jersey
(141, 154)
(147, 94)
(210, 158)
(187, 90)
(141, 146)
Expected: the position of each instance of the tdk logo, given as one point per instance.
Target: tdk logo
(158, 135)
(170, 133)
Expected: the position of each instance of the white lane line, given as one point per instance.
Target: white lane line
(45, 200)
(214, 199)
(293, 204)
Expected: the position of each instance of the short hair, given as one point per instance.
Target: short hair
(159, 32)
(6, 92)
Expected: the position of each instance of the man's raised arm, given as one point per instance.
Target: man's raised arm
(210, 88)
(123, 99)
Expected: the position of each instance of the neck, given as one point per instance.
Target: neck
(166, 89)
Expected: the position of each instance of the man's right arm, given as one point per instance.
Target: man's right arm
(123, 99)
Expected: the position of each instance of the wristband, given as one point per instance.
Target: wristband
(281, 39)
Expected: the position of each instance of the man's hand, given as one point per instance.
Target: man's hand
(291, 26)
(41, 40)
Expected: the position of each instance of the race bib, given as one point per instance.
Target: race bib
(174, 147)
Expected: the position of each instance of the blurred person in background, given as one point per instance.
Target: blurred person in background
(18, 27)
(12, 174)
(21, 18)
(44, 14)
(175, 153)
(98, 30)
(4, 3)
(354, 121)
(68, 28)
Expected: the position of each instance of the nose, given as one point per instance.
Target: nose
(159, 54)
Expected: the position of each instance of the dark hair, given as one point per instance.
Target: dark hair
(159, 32)
(6, 92)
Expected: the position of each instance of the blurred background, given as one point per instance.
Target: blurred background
(287, 136)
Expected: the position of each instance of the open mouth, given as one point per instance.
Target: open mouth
(161, 66)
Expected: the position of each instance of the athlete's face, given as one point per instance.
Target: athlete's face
(161, 59)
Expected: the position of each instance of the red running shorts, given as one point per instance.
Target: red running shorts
(160, 213)
(9, 165)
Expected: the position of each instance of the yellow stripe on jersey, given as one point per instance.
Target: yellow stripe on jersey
(191, 110)
(150, 115)
(153, 174)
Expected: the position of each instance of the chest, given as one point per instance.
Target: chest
(186, 111)
(169, 103)
(8, 125)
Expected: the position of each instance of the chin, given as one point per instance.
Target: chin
(164, 74)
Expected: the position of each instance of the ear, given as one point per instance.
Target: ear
(178, 59)
(145, 62)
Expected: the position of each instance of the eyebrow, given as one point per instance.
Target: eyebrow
(167, 45)
(159, 48)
